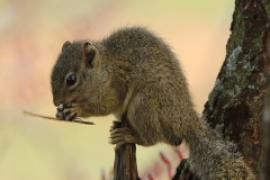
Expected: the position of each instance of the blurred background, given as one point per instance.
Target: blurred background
(32, 33)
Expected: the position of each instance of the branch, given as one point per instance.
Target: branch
(125, 166)
(184, 172)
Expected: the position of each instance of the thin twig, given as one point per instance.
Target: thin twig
(76, 120)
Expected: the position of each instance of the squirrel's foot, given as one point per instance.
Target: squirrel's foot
(120, 136)
(66, 112)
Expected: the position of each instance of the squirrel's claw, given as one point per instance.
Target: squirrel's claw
(66, 113)
(121, 136)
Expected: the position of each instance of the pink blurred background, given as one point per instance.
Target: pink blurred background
(32, 33)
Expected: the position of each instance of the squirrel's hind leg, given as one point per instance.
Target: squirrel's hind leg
(143, 118)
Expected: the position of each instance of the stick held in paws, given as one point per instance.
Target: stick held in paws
(77, 120)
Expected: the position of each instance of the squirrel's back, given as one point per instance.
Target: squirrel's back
(132, 37)
(140, 41)
(151, 57)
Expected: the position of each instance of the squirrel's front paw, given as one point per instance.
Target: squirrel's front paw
(66, 112)
(120, 136)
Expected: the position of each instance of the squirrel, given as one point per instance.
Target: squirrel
(133, 71)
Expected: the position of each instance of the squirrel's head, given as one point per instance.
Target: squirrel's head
(81, 77)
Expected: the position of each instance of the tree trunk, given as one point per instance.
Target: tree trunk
(235, 105)
(266, 125)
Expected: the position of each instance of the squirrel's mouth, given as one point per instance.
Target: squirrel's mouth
(68, 111)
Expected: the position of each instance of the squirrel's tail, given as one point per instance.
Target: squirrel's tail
(211, 158)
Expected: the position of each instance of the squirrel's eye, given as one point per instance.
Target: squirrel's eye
(71, 79)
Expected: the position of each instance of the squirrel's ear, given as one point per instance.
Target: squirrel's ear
(66, 44)
(89, 54)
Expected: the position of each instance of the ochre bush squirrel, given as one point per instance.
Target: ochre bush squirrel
(133, 71)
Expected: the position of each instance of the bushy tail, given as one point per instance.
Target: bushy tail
(211, 159)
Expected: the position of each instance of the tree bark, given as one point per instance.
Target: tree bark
(266, 125)
(235, 105)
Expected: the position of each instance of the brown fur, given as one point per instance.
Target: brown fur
(134, 71)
